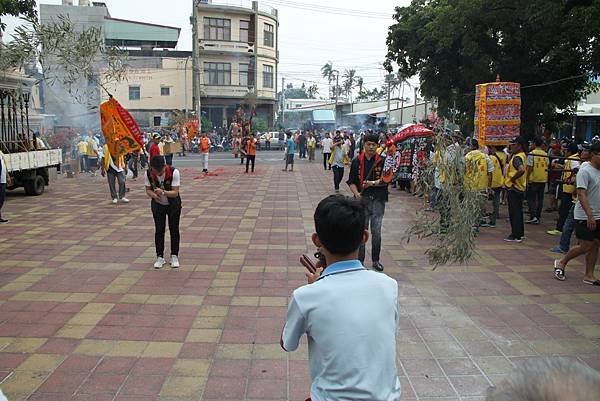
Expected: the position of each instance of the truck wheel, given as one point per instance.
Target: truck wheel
(36, 186)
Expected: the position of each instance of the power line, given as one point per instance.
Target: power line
(329, 10)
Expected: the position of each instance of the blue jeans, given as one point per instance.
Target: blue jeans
(567, 232)
(374, 209)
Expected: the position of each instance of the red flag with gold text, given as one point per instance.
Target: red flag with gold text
(121, 133)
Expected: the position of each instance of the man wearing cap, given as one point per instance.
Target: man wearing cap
(515, 181)
(154, 148)
(537, 177)
(587, 220)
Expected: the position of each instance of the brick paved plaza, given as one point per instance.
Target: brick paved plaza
(84, 316)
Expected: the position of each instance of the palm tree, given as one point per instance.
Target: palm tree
(327, 72)
(359, 82)
(312, 91)
(349, 78)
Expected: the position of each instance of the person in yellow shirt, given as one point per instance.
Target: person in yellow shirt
(537, 177)
(82, 149)
(569, 177)
(515, 182)
(498, 158)
(478, 174)
(114, 169)
(92, 155)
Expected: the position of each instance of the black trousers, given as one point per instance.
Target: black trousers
(338, 175)
(535, 199)
(515, 212)
(302, 152)
(133, 164)
(160, 213)
(2, 197)
(566, 201)
(325, 160)
(250, 158)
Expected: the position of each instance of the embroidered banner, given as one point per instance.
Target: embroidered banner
(121, 133)
(497, 112)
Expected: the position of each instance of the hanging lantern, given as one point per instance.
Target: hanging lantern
(497, 112)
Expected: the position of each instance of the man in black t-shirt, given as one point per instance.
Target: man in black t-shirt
(366, 183)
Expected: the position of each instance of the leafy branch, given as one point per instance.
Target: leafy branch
(452, 233)
(78, 60)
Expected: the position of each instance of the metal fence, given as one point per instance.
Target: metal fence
(15, 135)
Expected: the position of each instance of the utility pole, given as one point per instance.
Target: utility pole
(415, 116)
(196, 66)
(282, 100)
(402, 102)
(389, 79)
(336, 90)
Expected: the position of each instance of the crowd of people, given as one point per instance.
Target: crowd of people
(528, 173)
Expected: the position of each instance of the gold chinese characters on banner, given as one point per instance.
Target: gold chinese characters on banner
(497, 112)
(120, 130)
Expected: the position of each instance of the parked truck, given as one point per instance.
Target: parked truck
(29, 162)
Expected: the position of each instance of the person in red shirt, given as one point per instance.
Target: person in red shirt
(154, 149)
(250, 143)
(204, 150)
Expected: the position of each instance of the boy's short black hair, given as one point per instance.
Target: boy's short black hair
(538, 141)
(370, 137)
(340, 224)
(157, 163)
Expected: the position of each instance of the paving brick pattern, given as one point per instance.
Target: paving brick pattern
(83, 316)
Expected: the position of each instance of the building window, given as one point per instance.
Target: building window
(243, 74)
(165, 91)
(244, 28)
(267, 76)
(217, 29)
(134, 93)
(269, 39)
(217, 74)
(157, 120)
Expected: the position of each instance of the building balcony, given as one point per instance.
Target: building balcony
(234, 92)
(227, 91)
(225, 47)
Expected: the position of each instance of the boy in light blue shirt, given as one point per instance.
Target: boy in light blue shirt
(289, 152)
(349, 314)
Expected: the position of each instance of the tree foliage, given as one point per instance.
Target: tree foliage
(17, 8)
(259, 124)
(455, 44)
(303, 92)
(76, 59)
(451, 232)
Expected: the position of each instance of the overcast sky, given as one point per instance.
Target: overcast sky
(349, 33)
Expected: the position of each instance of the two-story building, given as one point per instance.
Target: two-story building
(236, 55)
(158, 78)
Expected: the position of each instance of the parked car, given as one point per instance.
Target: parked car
(276, 144)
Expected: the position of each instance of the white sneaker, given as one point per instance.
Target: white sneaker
(114, 201)
(174, 261)
(124, 200)
(160, 261)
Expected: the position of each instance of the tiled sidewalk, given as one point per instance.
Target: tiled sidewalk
(83, 316)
